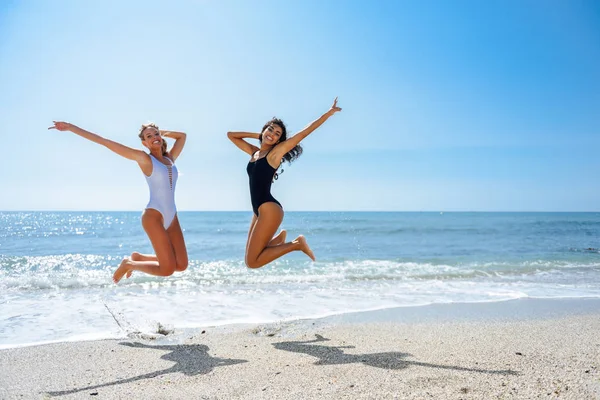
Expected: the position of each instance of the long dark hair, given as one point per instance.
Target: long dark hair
(291, 155)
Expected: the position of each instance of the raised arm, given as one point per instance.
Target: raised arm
(238, 139)
(124, 151)
(284, 147)
(179, 142)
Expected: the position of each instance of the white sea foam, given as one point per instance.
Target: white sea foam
(56, 269)
(193, 300)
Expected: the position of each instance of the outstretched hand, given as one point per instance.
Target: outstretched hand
(334, 108)
(61, 126)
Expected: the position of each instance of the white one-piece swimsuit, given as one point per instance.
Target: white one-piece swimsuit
(162, 189)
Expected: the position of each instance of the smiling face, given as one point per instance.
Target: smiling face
(151, 138)
(271, 134)
(274, 132)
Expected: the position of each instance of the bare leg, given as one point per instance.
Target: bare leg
(259, 252)
(252, 224)
(279, 239)
(166, 260)
(178, 243)
(135, 256)
(305, 248)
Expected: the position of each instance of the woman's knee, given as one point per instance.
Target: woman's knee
(252, 263)
(167, 270)
(167, 265)
(181, 265)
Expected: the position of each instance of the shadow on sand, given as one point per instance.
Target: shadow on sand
(189, 360)
(333, 355)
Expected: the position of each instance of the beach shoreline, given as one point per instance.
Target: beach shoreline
(524, 348)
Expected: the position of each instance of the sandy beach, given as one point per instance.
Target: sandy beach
(520, 349)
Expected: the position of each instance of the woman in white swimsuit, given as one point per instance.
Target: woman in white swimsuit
(159, 219)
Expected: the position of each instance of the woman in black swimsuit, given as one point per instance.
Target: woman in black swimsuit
(262, 247)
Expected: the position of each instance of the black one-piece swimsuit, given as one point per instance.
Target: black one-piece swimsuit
(260, 174)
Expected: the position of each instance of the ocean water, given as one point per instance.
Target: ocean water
(56, 268)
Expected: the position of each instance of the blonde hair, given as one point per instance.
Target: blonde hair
(152, 125)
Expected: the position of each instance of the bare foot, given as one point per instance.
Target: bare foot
(122, 270)
(279, 239)
(304, 247)
(135, 256)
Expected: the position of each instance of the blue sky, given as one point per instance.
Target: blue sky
(462, 105)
